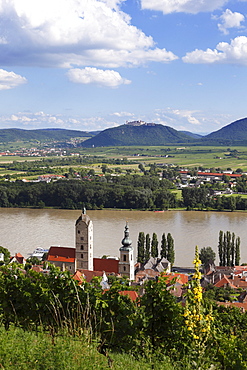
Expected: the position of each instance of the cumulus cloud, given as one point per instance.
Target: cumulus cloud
(232, 53)
(185, 6)
(100, 77)
(29, 120)
(230, 19)
(10, 80)
(72, 33)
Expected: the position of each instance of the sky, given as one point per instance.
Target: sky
(94, 64)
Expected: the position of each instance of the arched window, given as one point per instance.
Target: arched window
(124, 257)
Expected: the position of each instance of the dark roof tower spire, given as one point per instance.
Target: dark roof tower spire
(126, 242)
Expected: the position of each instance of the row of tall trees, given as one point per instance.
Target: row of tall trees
(147, 248)
(229, 249)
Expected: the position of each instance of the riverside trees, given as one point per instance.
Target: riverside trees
(228, 249)
(144, 243)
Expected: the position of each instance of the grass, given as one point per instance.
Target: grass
(24, 350)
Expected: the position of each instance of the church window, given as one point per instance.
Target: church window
(78, 232)
(124, 257)
(131, 257)
(82, 255)
(124, 268)
(82, 238)
(82, 247)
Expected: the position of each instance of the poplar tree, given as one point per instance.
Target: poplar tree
(170, 249)
(140, 248)
(233, 249)
(147, 247)
(237, 251)
(163, 251)
(228, 248)
(154, 246)
(220, 247)
(224, 251)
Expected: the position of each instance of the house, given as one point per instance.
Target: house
(62, 257)
(18, 258)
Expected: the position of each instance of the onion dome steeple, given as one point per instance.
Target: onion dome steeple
(126, 242)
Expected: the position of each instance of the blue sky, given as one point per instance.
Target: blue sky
(94, 64)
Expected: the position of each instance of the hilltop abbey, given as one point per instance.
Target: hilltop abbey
(81, 257)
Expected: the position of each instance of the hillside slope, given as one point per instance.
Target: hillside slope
(138, 135)
(234, 133)
(14, 134)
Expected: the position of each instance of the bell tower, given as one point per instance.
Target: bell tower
(84, 242)
(126, 263)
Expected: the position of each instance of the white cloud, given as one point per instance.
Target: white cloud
(122, 114)
(188, 115)
(185, 6)
(100, 77)
(230, 19)
(72, 33)
(233, 53)
(10, 80)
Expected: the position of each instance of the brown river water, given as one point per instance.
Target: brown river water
(23, 230)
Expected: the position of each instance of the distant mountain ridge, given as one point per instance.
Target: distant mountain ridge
(57, 134)
(234, 133)
(129, 134)
(146, 135)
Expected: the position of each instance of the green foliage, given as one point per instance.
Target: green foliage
(6, 253)
(207, 256)
(147, 247)
(163, 251)
(229, 249)
(170, 249)
(140, 248)
(162, 316)
(154, 246)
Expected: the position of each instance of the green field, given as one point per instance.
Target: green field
(189, 156)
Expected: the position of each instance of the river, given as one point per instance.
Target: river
(23, 230)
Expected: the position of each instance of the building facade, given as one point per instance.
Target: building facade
(84, 242)
(126, 263)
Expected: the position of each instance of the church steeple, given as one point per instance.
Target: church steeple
(126, 242)
(126, 263)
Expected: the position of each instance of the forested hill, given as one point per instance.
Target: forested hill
(138, 135)
(234, 133)
(14, 134)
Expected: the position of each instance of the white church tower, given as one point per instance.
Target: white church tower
(84, 242)
(126, 263)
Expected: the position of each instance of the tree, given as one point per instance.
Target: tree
(6, 254)
(228, 248)
(237, 251)
(154, 246)
(170, 249)
(140, 248)
(163, 251)
(207, 256)
(220, 247)
(232, 249)
(147, 247)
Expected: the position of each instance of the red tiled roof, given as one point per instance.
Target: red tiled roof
(88, 274)
(106, 264)
(180, 278)
(61, 254)
(212, 174)
(242, 306)
(132, 294)
(224, 282)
